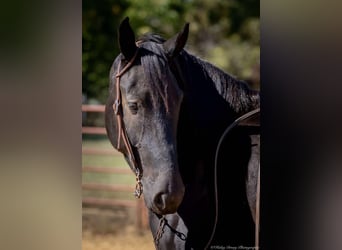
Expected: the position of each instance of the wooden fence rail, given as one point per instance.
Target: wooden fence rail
(94, 130)
(106, 170)
(112, 202)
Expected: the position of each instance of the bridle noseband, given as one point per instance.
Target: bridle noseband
(122, 133)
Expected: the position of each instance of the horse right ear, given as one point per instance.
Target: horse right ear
(126, 39)
(174, 45)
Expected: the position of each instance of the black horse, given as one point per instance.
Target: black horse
(166, 112)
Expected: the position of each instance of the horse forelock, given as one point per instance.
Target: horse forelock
(153, 59)
(150, 37)
(157, 72)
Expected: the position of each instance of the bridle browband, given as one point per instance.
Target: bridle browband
(122, 133)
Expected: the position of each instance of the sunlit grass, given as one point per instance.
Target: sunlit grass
(104, 161)
(99, 142)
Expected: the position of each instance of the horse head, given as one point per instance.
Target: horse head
(150, 101)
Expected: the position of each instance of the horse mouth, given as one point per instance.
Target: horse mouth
(163, 211)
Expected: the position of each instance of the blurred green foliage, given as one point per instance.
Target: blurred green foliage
(225, 33)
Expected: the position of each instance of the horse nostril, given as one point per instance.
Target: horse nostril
(167, 196)
(160, 200)
(165, 203)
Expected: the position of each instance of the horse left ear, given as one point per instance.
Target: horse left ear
(126, 39)
(174, 45)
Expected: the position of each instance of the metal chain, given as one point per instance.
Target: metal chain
(138, 186)
(160, 230)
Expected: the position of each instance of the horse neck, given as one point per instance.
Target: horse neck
(236, 93)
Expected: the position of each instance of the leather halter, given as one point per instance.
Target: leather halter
(122, 133)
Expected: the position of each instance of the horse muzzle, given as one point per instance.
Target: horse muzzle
(167, 195)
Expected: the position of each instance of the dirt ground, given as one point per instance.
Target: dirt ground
(113, 229)
(120, 241)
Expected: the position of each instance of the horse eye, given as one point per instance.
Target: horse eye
(133, 107)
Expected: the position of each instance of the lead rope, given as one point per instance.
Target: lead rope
(236, 122)
(122, 133)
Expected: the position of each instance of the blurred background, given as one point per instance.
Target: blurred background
(40, 96)
(225, 33)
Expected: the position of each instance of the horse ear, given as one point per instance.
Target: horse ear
(126, 39)
(174, 45)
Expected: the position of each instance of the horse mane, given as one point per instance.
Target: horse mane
(237, 93)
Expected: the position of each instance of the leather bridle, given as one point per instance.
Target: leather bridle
(122, 133)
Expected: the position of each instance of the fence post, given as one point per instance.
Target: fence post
(142, 215)
(138, 213)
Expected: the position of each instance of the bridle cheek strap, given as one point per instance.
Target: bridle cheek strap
(122, 133)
